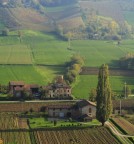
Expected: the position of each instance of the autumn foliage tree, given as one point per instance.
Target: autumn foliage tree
(73, 68)
(103, 98)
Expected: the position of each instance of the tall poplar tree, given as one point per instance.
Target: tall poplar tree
(103, 98)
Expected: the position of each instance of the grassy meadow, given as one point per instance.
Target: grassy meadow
(38, 57)
(86, 82)
(47, 49)
(29, 74)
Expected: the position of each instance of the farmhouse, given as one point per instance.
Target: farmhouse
(83, 110)
(86, 107)
(57, 90)
(16, 88)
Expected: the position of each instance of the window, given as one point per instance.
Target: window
(90, 110)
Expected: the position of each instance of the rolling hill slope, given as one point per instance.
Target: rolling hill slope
(40, 17)
(105, 8)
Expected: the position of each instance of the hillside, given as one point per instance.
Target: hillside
(34, 15)
(46, 15)
(38, 57)
(105, 8)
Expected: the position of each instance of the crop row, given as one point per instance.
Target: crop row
(125, 125)
(83, 136)
(15, 137)
(9, 121)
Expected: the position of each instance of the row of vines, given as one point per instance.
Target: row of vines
(15, 137)
(83, 136)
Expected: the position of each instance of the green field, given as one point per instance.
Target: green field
(29, 74)
(43, 122)
(40, 48)
(86, 82)
(43, 56)
(24, 73)
(95, 53)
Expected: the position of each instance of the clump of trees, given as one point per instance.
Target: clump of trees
(104, 94)
(73, 68)
(127, 62)
(97, 27)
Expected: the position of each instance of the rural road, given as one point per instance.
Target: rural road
(114, 131)
(39, 101)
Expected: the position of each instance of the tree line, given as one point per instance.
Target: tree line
(73, 68)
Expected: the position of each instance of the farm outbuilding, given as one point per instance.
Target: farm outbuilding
(82, 110)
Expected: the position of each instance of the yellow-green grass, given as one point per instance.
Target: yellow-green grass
(52, 51)
(49, 72)
(87, 82)
(43, 122)
(15, 54)
(15, 137)
(22, 73)
(42, 48)
(29, 74)
(96, 53)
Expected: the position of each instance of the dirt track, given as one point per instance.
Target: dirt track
(112, 72)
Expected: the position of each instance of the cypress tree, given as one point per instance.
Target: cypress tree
(103, 98)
